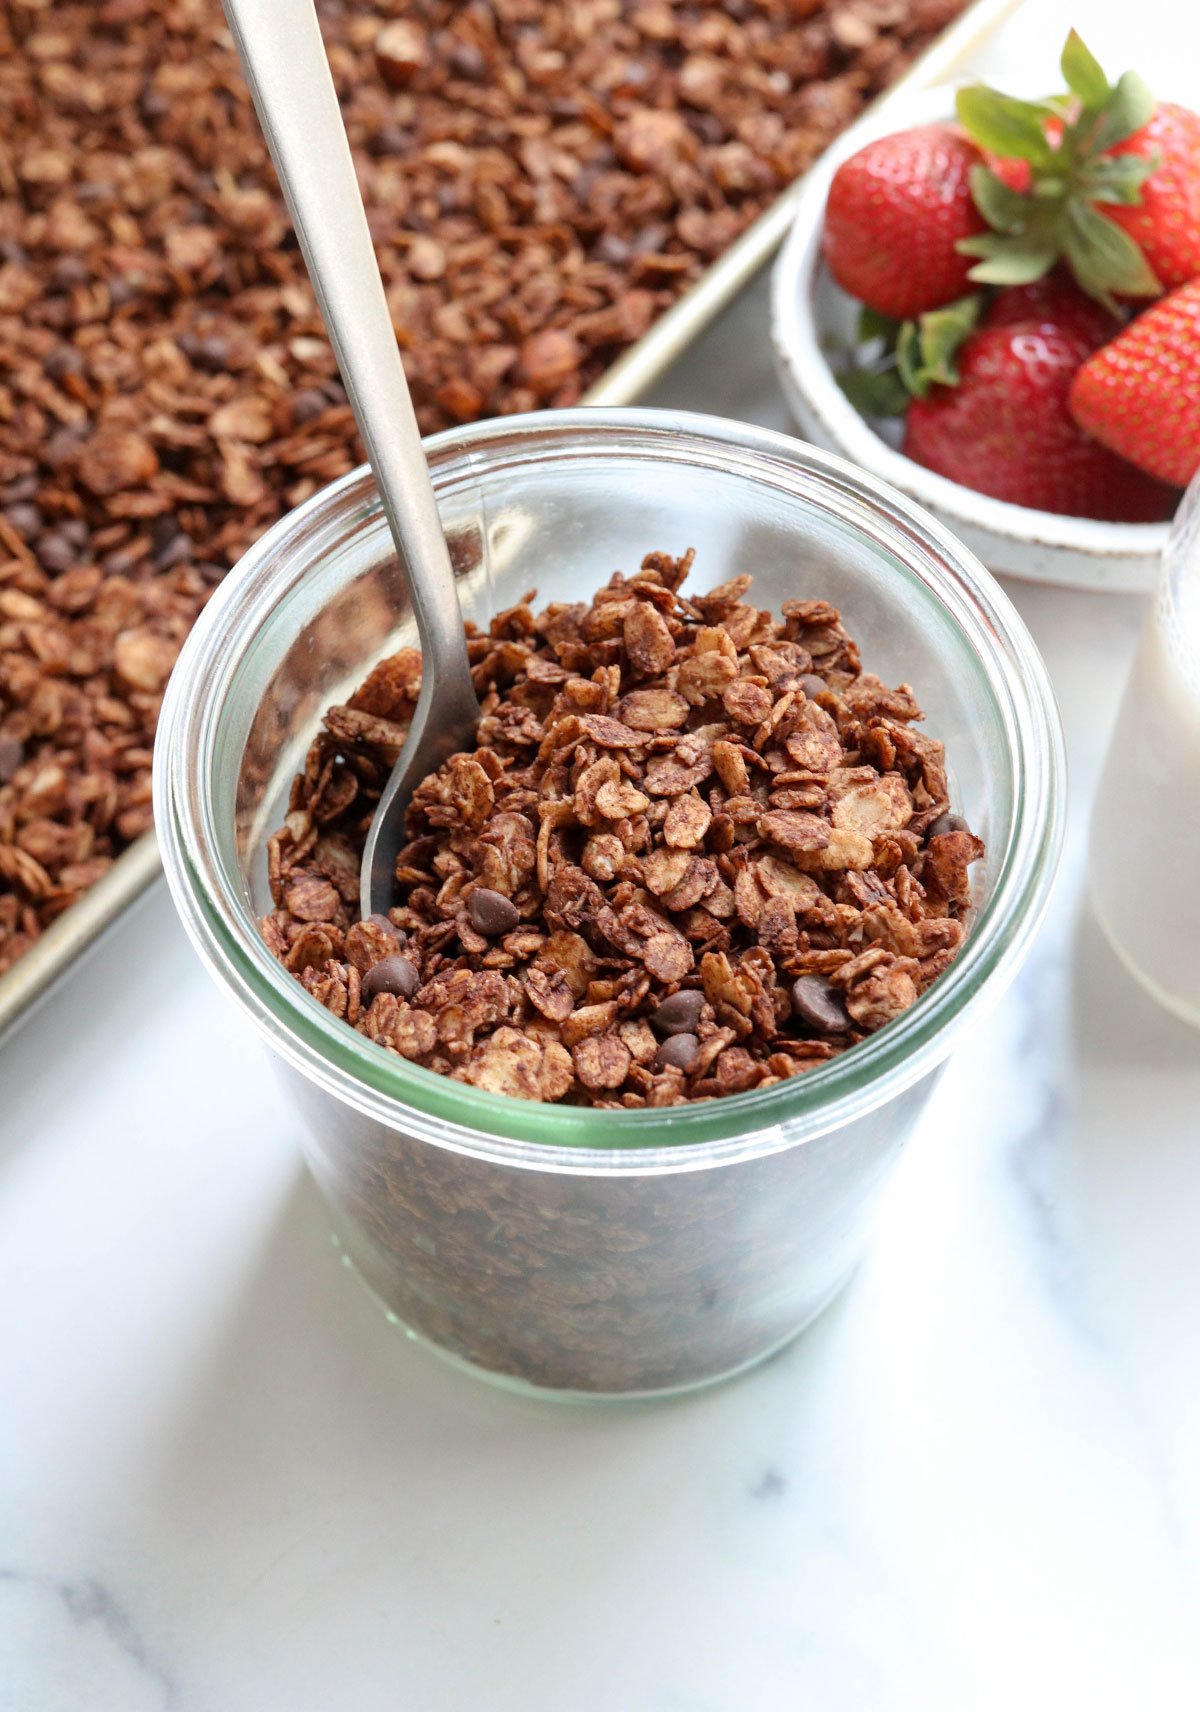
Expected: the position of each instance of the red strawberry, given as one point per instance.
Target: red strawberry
(1054, 300)
(1005, 429)
(1166, 223)
(895, 212)
(1140, 394)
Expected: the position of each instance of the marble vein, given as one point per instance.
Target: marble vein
(88, 1605)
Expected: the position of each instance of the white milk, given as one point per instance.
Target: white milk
(1145, 849)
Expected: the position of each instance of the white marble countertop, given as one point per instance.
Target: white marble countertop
(227, 1486)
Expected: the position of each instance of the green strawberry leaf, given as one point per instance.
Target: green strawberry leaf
(1072, 177)
(943, 331)
(1003, 124)
(908, 360)
(1082, 73)
(872, 325)
(878, 392)
(926, 349)
(987, 244)
(872, 384)
(1015, 258)
(1105, 259)
(1128, 108)
(1014, 267)
(1118, 178)
(1005, 210)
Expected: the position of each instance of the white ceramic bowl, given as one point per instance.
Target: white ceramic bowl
(813, 326)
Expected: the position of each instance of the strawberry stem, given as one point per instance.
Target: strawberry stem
(902, 360)
(1065, 140)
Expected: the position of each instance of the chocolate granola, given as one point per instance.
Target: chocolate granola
(696, 850)
(542, 181)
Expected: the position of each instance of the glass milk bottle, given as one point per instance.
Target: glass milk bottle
(1145, 847)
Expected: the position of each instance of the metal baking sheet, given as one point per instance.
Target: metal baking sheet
(29, 981)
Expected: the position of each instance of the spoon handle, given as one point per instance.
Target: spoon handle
(283, 56)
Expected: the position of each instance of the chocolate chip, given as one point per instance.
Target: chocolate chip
(678, 1053)
(25, 518)
(12, 753)
(648, 240)
(389, 140)
(680, 1013)
(64, 361)
(210, 352)
(214, 353)
(812, 685)
(55, 552)
(154, 105)
(123, 560)
(393, 975)
(946, 823)
(613, 249)
(176, 552)
(308, 404)
(707, 127)
(68, 273)
(162, 532)
(819, 1004)
(467, 60)
(491, 912)
(61, 447)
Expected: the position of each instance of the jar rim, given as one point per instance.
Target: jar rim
(387, 1088)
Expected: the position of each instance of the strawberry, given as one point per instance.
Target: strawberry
(1054, 300)
(895, 213)
(1101, 178)
(1005, 429)
(1140, 394)
(1166, 222)
(895, 363)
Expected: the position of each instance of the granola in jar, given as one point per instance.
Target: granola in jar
(696, 850)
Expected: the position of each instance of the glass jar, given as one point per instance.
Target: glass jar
(1145, 840)
(562, 1248)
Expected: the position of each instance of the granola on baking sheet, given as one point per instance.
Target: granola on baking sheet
(542, 181)
(696, 850)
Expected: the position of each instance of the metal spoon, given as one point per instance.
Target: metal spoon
(284, 60)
